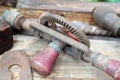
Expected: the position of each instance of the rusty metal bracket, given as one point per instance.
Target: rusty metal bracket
(18, 58)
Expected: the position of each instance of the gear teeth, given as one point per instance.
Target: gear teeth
(59, 21)
(67, 25)
(70, 27)
(62, 22)
(78, 35)
(76, 32)
(73, 31)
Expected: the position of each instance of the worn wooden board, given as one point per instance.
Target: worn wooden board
(30, 13)
(62, 70)
(68, 67)
(65, 5)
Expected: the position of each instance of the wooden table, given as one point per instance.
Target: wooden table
(68, 67)
(65, 5)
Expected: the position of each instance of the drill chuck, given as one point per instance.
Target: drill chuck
(13, 18)
(107, 19)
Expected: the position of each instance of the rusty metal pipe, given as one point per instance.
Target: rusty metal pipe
(107, 19)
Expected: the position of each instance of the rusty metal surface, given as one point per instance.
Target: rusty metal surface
(12, 58)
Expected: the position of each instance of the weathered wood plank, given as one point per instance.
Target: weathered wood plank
(107, 46)
(67, 5)
(29, 13)
(62, 70)
(66, 67)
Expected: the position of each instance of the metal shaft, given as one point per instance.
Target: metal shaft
(92, 30)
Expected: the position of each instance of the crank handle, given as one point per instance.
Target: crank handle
(110, 66)
(45, 60)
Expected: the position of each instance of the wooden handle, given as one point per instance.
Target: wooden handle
(108, 65)
(113, 69)
(45, 60)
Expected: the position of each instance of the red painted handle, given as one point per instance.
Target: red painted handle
(113, 69)
(45, 60)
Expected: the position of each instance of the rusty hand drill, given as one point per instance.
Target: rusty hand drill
(45, 60)
(107, 19)
(98, 60)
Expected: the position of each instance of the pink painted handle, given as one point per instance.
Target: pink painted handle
(45, 60)
(113, 69)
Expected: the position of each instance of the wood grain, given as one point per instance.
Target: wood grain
(68, 67)
(67, 5)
